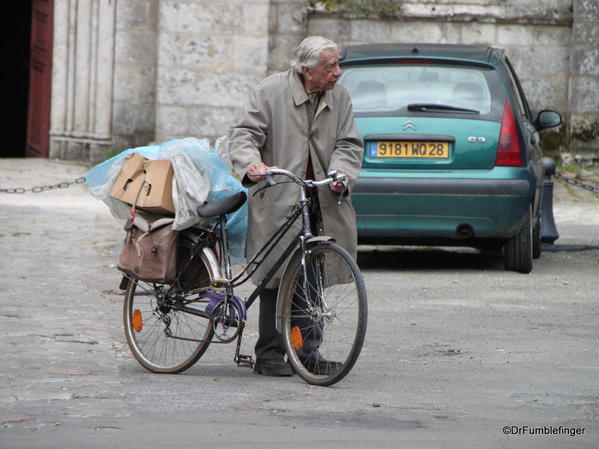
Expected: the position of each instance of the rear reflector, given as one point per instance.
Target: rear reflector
(296, 338)
(509, 152)
(137, 321)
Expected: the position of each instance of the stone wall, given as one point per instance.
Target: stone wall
(584, 80)
(210, 54)
(136, 38)
(130, 72)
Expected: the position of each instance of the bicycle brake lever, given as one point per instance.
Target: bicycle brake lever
(342, 193)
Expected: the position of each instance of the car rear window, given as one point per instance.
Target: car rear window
(388, 88)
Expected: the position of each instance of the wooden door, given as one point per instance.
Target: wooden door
(40, 78)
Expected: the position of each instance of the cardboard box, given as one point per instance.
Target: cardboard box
(147, 183)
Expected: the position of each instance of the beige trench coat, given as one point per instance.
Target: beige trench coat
(276, 129)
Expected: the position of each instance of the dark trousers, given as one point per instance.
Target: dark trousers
(270, 343)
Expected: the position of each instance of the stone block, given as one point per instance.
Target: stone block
(280, 51)
(135, 46)
(273, 19)
(451, 32)
(250, 55)
(135, 15)
(134, 83)
(585, 61)
(193, 16)
(584, 130)
(370, 30)
(585, 34)
(196, 51)
(172, 119)
(586, 9)
(546, 92)
(254, 19)
(479, 34)
(130, 119)
(416, 31)
(186, 87)
(289, 18)
(213, 122)
(534, 61)
(533, 34)
(584, 94)
(338, 30)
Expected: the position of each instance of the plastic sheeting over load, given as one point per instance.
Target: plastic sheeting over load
(201, 173)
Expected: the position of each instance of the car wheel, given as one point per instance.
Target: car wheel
(518, 250)
(536, 240)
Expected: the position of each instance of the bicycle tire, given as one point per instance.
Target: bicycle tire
(146, 320)
(331, 325)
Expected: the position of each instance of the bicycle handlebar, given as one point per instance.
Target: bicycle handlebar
(332, 177)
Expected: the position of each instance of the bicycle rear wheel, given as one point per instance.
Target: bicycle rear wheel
(162, 338)
(324, 314)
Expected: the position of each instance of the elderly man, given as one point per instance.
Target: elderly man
(300, 120)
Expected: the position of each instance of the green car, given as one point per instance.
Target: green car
(452, 155)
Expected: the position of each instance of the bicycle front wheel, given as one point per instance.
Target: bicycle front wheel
(162, 338)
(324, 314)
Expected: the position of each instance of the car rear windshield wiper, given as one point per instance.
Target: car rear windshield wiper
(430, 107)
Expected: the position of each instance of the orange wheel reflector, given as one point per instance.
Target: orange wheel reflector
(296, 338)
(137, 321)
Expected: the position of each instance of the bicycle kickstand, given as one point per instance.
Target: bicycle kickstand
(241, 359)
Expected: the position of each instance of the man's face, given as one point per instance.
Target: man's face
(325, 74)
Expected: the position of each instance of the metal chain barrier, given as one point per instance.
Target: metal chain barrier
(576, 183)
(38, 189)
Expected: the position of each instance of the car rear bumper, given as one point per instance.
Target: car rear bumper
(399, 208)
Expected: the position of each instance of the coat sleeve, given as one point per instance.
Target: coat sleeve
(349, 148)
(247, 137)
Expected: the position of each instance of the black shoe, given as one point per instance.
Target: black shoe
(317, 364)
(273, 367)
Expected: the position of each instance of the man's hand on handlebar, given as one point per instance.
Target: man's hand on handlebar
(257, 172)
(340, 183)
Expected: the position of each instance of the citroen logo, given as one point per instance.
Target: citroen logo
(408, 125)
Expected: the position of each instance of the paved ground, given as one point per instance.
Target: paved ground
(457, 349)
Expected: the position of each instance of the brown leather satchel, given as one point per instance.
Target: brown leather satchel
(150, 250)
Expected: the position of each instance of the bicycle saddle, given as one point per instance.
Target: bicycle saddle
(222, 207)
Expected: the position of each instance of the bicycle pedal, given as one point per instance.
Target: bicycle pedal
(246, 361)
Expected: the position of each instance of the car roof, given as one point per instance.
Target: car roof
(479, 53)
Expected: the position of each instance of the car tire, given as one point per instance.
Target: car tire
(518, 250)
(536, 240)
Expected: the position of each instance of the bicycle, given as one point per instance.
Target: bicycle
(322, 297)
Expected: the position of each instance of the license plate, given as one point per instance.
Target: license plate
(428, 150)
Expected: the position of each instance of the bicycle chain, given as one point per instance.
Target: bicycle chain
(576, 183)
(38, 189)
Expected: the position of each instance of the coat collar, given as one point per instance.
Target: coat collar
(300, 96)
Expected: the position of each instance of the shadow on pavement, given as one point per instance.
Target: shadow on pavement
(428, 259)
(569, 248)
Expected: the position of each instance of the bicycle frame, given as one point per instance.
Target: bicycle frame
(230, 282)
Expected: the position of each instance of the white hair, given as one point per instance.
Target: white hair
(307, 53)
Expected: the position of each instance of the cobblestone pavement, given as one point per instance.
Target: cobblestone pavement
(456, 347)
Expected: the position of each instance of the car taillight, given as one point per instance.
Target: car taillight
(509, 151)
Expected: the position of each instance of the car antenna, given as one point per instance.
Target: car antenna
(415, 51)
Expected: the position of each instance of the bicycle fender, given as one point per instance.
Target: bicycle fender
(211, 263)
(311, 241)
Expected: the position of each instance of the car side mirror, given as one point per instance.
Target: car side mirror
(548, 119)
